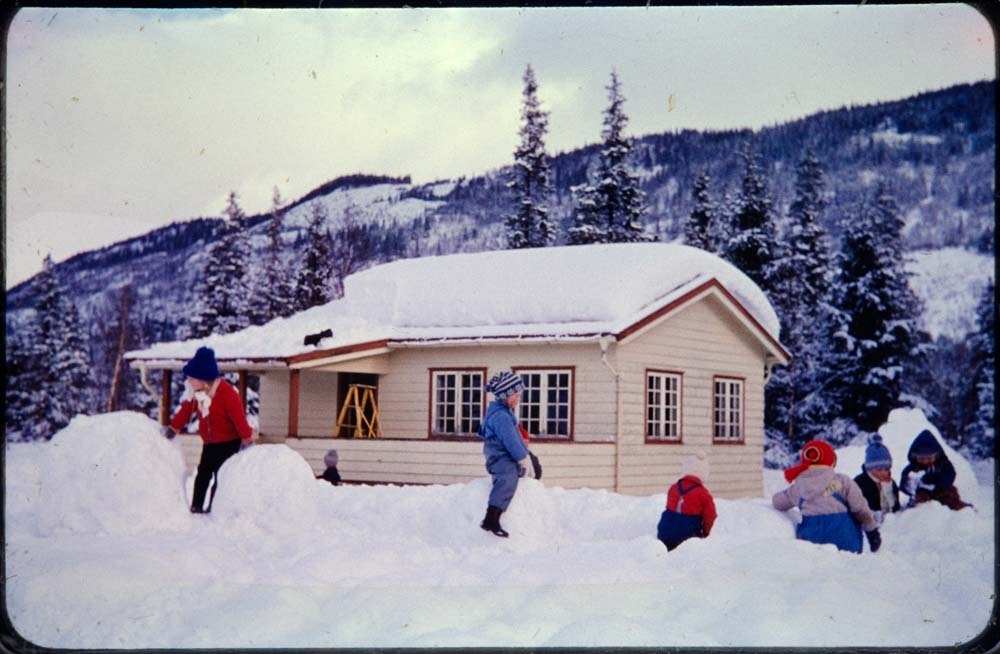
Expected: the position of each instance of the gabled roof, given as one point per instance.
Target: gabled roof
(554, 294)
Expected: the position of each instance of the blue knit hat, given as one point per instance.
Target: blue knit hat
(202, 366)
(504, 384)
(876, 454)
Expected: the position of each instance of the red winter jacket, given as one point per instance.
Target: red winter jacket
(226, 420)
(697, 501)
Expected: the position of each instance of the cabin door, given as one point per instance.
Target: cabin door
(344, 381)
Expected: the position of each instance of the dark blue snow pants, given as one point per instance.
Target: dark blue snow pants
(503, 470)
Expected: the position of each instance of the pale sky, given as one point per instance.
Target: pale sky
(119, 121)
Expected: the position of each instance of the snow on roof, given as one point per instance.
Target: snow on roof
(555, 293)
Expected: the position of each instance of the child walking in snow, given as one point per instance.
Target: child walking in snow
(503, 447)
(875, 480)
(831, 504)
(690, 509)
(930, 475)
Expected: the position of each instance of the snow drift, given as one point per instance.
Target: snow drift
(101, 552)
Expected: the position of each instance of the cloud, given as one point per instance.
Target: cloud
(156, 115)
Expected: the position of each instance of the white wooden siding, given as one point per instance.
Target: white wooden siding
(702, 342)
(404, 393)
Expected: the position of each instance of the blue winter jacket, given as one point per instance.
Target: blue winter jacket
(500, 434)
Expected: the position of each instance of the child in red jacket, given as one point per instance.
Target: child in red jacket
(222, 423)
(690, 509)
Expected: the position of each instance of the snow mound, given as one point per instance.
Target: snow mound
(271, 486)
(897, 434)
(105, 474)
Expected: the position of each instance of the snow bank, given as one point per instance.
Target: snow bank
(897, 434)
(101, 552)
(101, 475)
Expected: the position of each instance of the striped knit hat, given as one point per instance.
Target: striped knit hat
(504, 384)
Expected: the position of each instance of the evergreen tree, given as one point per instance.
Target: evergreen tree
(23, 413)
(52, 373)
(223, 291)
(880, 337)
(315, 282)
(795, 408)
(697, 230)
(752, 247)
(979, 435)
(274, 294)
(610, 210)
(530, 225)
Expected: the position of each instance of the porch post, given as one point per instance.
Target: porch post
(242, 382)
(294, 384)
(165, 399)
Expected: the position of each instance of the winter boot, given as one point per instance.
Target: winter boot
(491, 522)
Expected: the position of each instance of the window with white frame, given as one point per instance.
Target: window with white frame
(663, 406)
(457, 408)
(546, 404)
(727, 421)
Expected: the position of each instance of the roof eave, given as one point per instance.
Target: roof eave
(775, 350)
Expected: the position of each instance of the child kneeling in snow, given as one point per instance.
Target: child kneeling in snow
(930, 475)
(690, 509)
(875, 480)
(831, 504)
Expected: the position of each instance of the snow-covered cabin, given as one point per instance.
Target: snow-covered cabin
(634, 356)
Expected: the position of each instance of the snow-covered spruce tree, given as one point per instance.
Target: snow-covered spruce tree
(22, 413)
(530, 226)
(697, 230)
(753, 244)
(979, 435)
(610, 209)
(315, 280)
(274, 292)
(54, 379)
(223, 291)
(880, 337)
(799, 287)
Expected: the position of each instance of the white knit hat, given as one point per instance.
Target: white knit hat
(695, 465)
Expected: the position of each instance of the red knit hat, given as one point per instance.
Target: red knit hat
(815, 453)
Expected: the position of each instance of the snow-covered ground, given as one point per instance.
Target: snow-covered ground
(101, 552)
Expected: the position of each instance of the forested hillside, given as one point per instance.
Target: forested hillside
(933, 154)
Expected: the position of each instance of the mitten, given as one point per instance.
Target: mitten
(874, 540)
(912, 482)
(536, 465)
(167, 431)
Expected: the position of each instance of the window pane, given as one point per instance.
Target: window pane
(458, 398)
(663, 406)
(545, 405)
